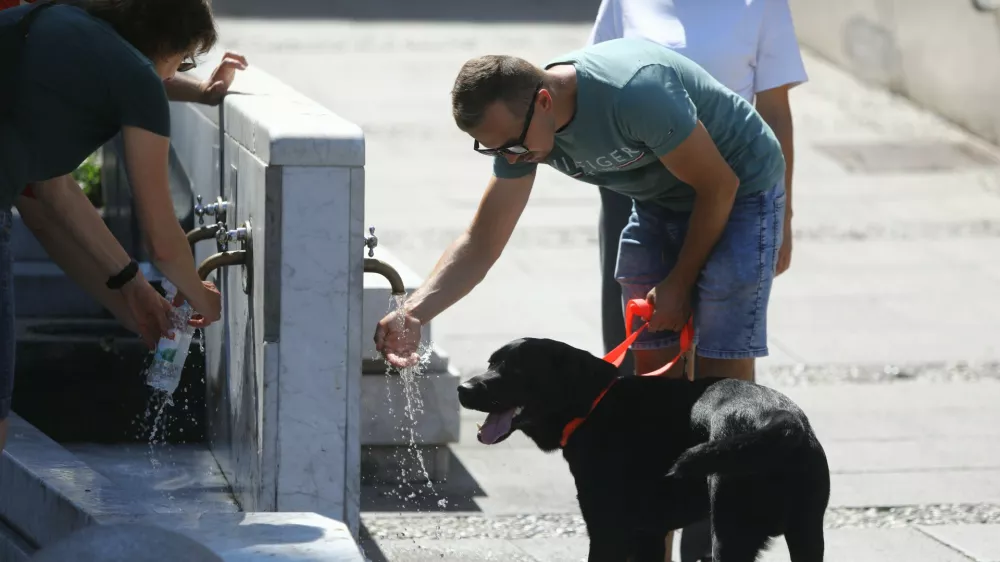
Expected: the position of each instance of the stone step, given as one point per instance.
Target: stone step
(47, 494)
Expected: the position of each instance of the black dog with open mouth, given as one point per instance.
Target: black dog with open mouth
(650, 454)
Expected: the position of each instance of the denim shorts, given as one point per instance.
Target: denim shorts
(730, 298)
(7, 338)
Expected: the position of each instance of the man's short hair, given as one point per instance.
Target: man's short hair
(483, 81)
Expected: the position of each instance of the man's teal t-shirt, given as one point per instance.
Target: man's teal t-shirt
(78, 84)
(636, 101)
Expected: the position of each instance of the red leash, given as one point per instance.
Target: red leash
(642, 309)
(633, 308)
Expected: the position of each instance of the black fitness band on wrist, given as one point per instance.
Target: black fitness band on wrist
(124, 276)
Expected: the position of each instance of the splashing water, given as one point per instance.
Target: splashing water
(412, 408)
(155, 422)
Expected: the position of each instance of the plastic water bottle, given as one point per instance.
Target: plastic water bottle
(168, 360)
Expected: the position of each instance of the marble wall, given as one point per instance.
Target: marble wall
(283, 373)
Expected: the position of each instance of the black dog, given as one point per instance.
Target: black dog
(651, 454)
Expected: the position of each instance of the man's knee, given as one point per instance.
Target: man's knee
(742, 369)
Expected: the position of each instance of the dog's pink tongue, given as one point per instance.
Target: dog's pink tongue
(495, 427)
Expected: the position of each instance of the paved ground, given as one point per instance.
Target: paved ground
(885, 330)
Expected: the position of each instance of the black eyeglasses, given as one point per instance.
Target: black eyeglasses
(516, 147)
(187, 64)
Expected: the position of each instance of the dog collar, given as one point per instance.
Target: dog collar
(577, 422)
(641, 308)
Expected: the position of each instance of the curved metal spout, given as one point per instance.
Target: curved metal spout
(222, 259)
(203, 233)
(374, 265)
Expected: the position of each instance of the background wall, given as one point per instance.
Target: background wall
(942, 54)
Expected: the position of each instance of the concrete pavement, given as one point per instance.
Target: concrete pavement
(885, 329)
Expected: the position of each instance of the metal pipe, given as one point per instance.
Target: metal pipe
(203, 233)
(222, 259)
(374, 265)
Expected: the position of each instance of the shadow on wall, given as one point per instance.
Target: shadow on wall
(528, 11)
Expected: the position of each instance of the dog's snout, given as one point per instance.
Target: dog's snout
(465, 390)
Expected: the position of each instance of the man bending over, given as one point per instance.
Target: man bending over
(703, 169)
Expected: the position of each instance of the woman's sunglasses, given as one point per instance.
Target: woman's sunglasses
(187, 64)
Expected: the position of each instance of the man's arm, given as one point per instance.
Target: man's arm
(657, 111)
(697, 162)
(467, 261)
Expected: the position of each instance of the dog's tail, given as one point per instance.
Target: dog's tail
(746, 453)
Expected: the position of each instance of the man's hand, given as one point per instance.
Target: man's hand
(397, 338)
(149, 309)
(785, 252)
(671, 301)
(217, 85)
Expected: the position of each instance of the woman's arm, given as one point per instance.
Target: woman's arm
(146, 157)
(64, 202)
(76, 238)
(211, 91)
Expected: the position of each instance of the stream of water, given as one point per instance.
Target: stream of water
(412, 408)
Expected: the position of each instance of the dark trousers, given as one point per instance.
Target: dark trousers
(696, 542)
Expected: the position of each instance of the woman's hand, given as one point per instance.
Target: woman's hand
(671, 301)
(217, 85)
(150, 311)
(397, 338)
(207, 305)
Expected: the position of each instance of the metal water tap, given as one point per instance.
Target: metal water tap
(371, 241)
(224, 237)
(225, 258)
(217, 209)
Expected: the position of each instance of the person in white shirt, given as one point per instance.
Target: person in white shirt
(747, 45)
(750, 47)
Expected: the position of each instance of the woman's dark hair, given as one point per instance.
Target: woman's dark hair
(159, 28)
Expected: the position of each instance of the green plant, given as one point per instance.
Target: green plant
(88, 175)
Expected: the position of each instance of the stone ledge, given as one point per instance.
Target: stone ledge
(252, 537)
(279, 125)
(48, 493)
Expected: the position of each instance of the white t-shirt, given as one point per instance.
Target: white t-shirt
(748, 45)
